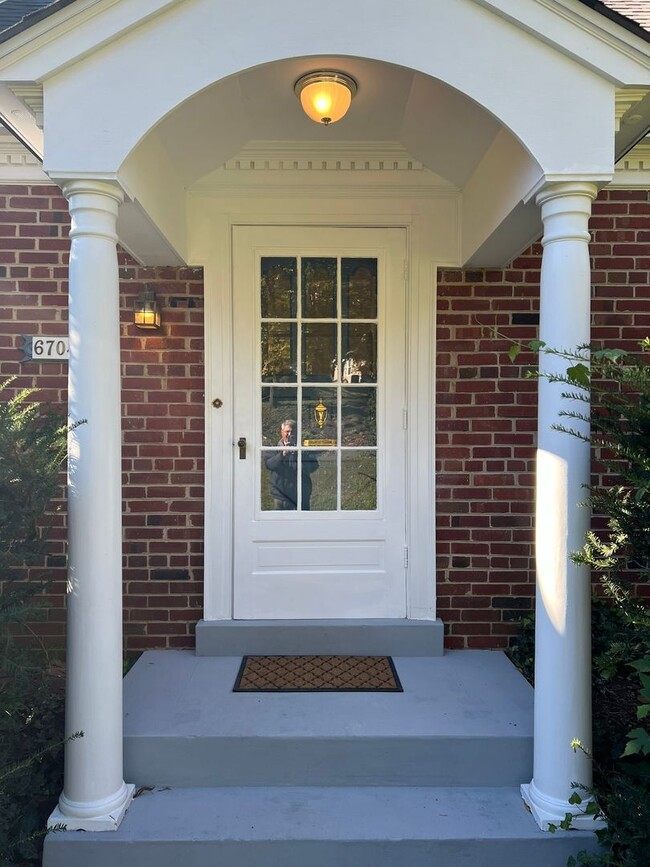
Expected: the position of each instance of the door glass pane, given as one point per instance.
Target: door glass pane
(318, 393)
(359, 417)
(319, 417)
(318, 288)
(359, 288)
(359, 352)
(278, 287)
(358, 480)
(318, 352)
(278, 405)
(279, 479)
(279, 352)
(321, 466)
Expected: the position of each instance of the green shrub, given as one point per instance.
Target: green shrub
(611, 389)
(32, 449)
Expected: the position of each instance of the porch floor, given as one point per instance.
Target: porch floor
(464, 719)
(430, 775)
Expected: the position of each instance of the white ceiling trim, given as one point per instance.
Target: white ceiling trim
(633, 171)
(304, 156)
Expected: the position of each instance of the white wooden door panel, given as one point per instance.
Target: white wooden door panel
(319, 362)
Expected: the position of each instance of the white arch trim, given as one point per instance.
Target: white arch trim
(100, 107)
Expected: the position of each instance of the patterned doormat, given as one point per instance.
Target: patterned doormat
(317, 674)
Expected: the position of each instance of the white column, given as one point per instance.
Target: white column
(563, 621)
(95, 796)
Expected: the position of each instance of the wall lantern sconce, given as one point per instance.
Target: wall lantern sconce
(146, 312)
(325, 96)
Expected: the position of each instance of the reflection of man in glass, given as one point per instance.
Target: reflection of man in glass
(283, 466)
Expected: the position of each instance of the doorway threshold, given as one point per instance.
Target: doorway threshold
(370, 637)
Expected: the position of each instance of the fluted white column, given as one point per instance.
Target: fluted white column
(563, 622)
(95, 796)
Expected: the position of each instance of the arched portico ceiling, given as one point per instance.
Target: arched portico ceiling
(397, 113)
(437, 125)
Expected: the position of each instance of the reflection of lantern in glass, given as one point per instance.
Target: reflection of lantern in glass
(320, 414)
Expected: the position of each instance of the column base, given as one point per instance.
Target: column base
(550, 811)
(100, 821)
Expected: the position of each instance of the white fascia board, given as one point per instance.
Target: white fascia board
(70, 34)
(591, 39)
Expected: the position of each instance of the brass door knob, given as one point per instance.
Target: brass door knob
(241, 443)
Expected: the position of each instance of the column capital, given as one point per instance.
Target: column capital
(93, 206)
(566, 208)
(565, 189)
(93, 187)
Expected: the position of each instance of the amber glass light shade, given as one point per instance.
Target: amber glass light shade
(146, 312)
(325, 96)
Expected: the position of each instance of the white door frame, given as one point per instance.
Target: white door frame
(420, 397)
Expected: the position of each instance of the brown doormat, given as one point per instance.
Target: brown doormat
(317, 674)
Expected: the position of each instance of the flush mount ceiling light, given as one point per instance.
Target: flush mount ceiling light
(325, 96)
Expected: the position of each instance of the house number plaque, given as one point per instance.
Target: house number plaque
(44, 348)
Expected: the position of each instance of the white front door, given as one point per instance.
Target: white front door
(319, 422)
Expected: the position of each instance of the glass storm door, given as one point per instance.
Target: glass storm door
(319, 439)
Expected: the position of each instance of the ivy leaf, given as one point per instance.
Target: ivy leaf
(575, 799)
(536, 345)
(514, 351)
(638, 742)
(609, 354)
(579, 374)
(642, 664)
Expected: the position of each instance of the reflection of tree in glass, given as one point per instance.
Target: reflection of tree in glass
(278, 288)
(323, 495)
(278, 352)
(359, 416)
(359, 288)
(318, 347)
(318, 288)
(358, 481)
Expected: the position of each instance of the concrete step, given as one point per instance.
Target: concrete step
(464, 719)
(320, 827)
(293, 637)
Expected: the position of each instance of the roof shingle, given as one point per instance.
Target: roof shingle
(635, 10)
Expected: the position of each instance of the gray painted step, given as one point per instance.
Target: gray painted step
(291, 637)
(464, 719)
(296, 827)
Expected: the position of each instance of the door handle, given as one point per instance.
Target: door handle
(241, 443)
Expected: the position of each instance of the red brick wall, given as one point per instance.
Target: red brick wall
(486, 415)
(162, 415)
(162, 459)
